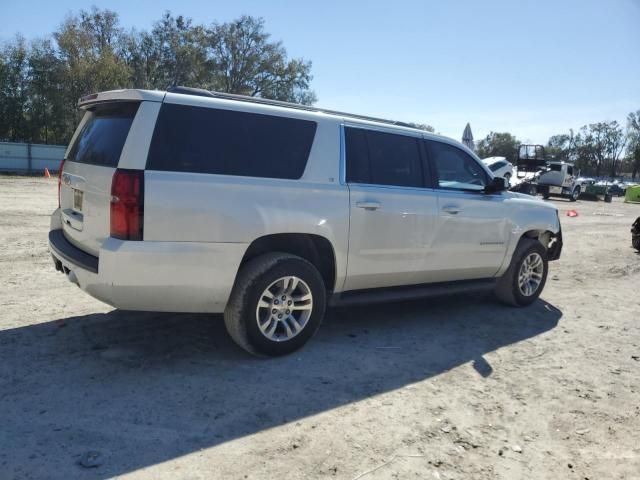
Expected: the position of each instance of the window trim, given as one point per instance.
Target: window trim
(425, 170)
(434, 170)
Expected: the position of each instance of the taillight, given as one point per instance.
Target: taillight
(60, 179)
(127, 204)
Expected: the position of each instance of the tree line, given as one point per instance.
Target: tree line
(606, 149)
(41, 80)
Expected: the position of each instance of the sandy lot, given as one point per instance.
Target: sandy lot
(446, 389)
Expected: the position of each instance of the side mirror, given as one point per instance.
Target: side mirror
(498, 184)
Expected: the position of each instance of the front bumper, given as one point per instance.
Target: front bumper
(555, 245)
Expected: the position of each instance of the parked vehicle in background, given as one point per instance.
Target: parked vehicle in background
(196, 201)
(500, 167)
(546, 177)
(561, 179)
(616, 189)
(585, 181)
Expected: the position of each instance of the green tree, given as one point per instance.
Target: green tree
(88, 46)
(246, 62)
(499, 145)
(599, 146)
(633, 142)
(173, 53)
(562, 147)
(46, 107)
(40, 83)
(14, 91)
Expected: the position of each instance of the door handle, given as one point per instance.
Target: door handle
(368, 205)
(452, 209)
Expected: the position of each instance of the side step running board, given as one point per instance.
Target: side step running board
(381, 295)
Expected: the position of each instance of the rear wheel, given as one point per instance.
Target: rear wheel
(526, 276)
(277, 304)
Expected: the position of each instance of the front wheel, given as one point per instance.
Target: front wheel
(575, 194)
(276, 305)
(525, 278)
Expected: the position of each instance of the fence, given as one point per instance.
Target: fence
(30, 157)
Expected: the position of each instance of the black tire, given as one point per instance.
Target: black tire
(545, 196)
(240, 315)
(575, 194)
(635, 242)
(507, 289)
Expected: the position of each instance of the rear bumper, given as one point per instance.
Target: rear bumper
(153, 276)
(63, 249)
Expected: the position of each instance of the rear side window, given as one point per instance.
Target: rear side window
(456, 169)
(225, 142)
(497, 166)
(381, 158)
(102, 137)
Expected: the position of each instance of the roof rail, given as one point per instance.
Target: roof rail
(265, 101)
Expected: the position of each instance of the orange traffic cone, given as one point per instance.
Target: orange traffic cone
(46, 173)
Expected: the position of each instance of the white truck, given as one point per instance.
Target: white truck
(561, 179)
(538, 175)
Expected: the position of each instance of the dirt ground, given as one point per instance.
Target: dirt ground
(454, 388)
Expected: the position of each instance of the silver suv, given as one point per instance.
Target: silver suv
(195, 201)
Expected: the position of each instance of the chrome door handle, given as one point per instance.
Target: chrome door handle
(368, 205)
(452, 209)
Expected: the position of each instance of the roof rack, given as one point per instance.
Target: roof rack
(265, 101)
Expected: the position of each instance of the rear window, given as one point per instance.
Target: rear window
(102, 137)
(225, 142)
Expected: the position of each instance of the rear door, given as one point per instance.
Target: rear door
(91, 160)
(393, 212)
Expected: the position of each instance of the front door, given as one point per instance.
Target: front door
(473, 226)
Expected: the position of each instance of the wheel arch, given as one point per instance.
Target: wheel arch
(316, 249)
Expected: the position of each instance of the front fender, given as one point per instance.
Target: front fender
(535, 218)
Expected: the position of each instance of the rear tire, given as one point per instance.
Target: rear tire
(276, 305)
(529, 263)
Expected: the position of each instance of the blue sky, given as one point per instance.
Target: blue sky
(533, 68)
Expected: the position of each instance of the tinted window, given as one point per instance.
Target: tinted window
(102, 137)
(497, 166)
(382, 158)
(357, 155)
(207, 140)
(455, 169)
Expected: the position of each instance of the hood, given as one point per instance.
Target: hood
(524, 199)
